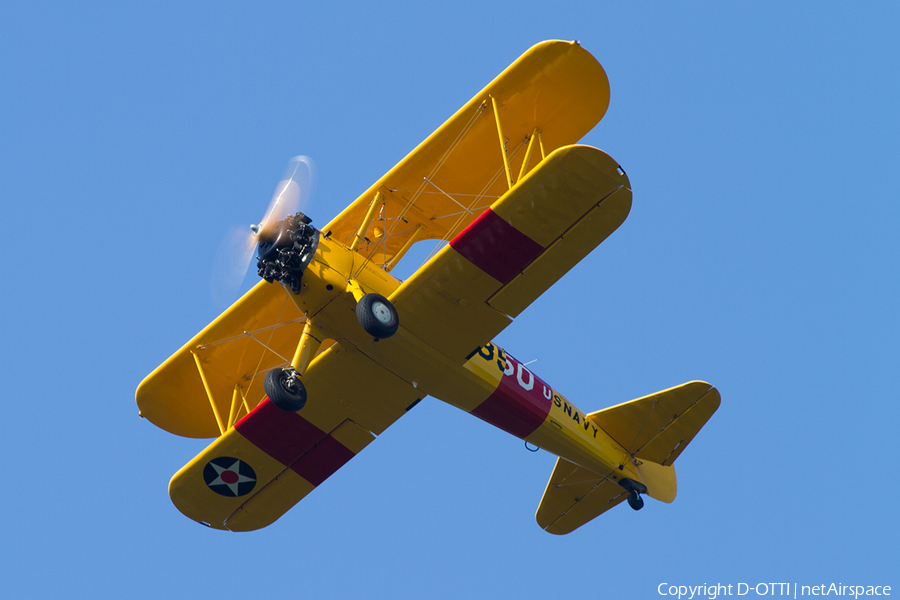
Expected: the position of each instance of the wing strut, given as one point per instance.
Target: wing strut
(502, 143)
(209, 393)
(402, 251)
(238, 401)
(364, 226)
(528, 154)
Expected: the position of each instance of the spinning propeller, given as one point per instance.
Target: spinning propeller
(292, 194)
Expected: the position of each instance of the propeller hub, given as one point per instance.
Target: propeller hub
(286, 250)
(236, 252)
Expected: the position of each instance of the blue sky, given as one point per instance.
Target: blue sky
(761, 255)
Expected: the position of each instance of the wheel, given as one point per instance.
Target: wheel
(635, 501)
(285, 390)
(377, 316)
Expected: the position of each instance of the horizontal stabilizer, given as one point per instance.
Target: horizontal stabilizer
(574, 496)
(657, 427)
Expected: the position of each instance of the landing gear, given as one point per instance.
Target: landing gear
(377, 316)
(285, 390)
(634, 489)
(635, 501)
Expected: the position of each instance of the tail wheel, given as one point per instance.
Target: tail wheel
(285, 390)
(635, 501)
(377, 316)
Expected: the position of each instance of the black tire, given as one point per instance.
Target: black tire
(285, 390)
(377, 316)
(635, 501)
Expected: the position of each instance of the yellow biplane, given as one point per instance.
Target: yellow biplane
(517, 204)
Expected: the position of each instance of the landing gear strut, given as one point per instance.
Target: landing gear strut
(283, 386)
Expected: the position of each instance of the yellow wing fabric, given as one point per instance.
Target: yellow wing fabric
(271, 459)
(234, 353)
(658, 427)
(554, 93)
(515, 250)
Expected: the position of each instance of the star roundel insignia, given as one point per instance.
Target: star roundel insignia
(229, 476)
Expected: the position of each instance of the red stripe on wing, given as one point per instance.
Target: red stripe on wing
(284, 436)
(318, 464)
(294, 441)
(496, 247)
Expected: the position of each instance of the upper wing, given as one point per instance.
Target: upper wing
(515, 250)
(271, 459)
(228, 360)
(232, 355)
(554, 93)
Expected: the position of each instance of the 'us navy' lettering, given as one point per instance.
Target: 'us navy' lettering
(572, 412)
